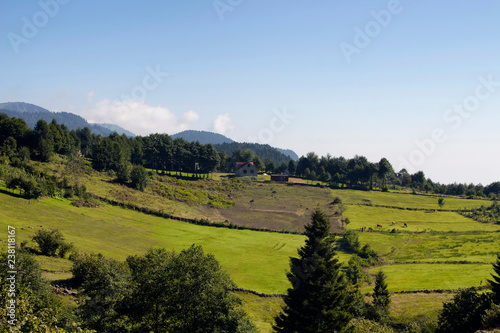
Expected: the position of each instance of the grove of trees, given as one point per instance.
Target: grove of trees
(119, 153)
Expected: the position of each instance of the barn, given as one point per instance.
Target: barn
(244, 169)
(279, 178)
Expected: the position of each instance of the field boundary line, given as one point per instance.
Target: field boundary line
(410, 208)
(442, 262)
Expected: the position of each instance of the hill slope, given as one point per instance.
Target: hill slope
(203, 137)
(23, 107)
(223, 143)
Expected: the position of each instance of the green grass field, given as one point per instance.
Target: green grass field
(405, 200)
(255, 260)
(426, 247)
(407, 277)
(417, 221)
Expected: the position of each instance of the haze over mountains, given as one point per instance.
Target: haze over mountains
(32, 113)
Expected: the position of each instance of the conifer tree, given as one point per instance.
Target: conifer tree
(495, 282)
(381, 299)
(317, 301)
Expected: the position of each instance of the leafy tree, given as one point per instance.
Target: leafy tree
(270, 166)
(371, 256)
(105, 285)
(354, 272)
(384, 168)
(139, 177)
(291, 167)
(37, 308)
(123, 172)
(281, 168)
(9, 147)
(49, 241)
(43, 141)
(491, 317)
(441, 202)
(350, 241)
(257, 162)
(317, 302)
(463, 314)
(185, 292)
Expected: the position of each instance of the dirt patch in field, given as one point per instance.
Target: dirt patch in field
(280, 206)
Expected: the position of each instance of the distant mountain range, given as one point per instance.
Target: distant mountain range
(228, 145)
(32, 113)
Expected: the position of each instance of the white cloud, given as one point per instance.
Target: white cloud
(190, 117)
(140, 118)
(223, 124)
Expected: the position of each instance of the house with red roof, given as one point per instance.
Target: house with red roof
(244, 169)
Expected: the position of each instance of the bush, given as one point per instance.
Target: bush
(337, 200)
(139, 177)
(491, 318)
(351, 241)
(463, 313)
(123, 172)
(371, 256)
(49, 241)
(362, 325)
(64, 248)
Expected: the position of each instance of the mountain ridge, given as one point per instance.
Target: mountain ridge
(31, 113)
(222, 142)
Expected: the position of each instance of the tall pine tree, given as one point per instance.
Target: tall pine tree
(495, 282)
(381, 298)
(317, 301)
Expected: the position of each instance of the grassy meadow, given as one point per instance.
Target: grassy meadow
(255, 260)
(405, 200)
(416, 221)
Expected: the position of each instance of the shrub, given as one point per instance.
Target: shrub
(139, 177)
(50, 241)
(337, 200)
(64, 248)
(491, 318)
(351, 241)
(464, 312)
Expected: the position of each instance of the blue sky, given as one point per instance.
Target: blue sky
(417, 82)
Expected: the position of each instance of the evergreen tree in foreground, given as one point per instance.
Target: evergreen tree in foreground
(381, 298)
(495, 282)
(317, 301)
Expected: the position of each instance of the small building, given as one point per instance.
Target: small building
(279, 178)
(244, 169)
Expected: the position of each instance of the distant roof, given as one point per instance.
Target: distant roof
(242, 164)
